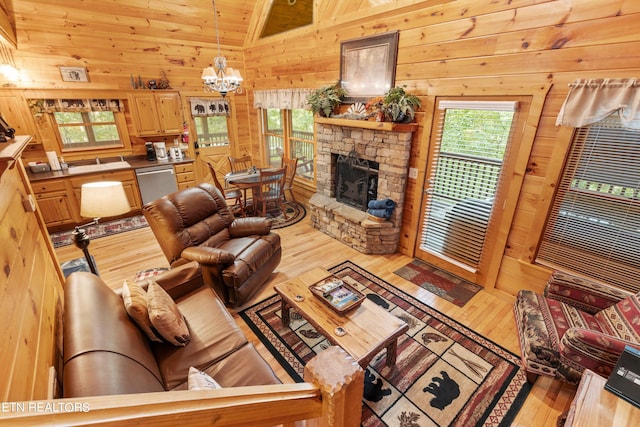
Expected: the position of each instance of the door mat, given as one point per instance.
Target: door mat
(439, 282)
(445, 373)
(109, 228)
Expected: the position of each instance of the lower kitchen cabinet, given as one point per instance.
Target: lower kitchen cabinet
(127, 177)
(55, 204)
(185, 175)
(59, 199)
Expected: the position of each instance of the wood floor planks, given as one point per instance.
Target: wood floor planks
(120, 256)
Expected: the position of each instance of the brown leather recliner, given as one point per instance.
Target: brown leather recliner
(237, 254)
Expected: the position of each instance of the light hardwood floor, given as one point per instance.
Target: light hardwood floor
(120, 256)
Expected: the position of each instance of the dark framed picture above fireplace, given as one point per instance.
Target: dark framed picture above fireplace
(368, 66)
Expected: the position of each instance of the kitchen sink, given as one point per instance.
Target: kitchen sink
(98, 167)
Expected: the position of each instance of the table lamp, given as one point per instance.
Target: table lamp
(98, 200)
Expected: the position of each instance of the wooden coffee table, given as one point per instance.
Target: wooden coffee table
(367, 329)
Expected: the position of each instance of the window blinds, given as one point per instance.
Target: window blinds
(466, 165)
(594, 225)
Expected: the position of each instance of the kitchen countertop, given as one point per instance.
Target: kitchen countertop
(136, 162)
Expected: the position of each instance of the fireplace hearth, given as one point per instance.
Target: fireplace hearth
(355, 164)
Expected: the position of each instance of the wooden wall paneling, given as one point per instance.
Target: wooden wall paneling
(24, 369)
(7, 26)
(413, 193)
(194, 22)
(11, 301)
(29, 303)
(548, 190)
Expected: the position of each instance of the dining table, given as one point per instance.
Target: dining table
(249, 180)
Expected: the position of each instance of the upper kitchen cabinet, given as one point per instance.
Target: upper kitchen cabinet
(156, 113)
(15, 111)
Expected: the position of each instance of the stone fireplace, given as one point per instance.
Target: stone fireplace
(387, 146)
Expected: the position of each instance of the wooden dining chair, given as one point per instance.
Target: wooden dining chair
(271, 190)
(229, 194)
(292, 167)
(240, 164)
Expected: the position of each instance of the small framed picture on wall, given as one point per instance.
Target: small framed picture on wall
(74, 74)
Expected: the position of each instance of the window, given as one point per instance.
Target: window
(87, 130)
(594, 225)
(472, 142)
(290, 133)
(211, 130)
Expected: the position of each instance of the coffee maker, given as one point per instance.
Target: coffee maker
(151, 152)
(161, 150)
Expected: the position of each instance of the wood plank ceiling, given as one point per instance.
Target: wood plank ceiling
(113, 38)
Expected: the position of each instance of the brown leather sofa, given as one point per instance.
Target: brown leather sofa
(237, 254)
(106, 353)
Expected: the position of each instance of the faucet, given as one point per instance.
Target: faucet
(97, 160)
(121, 158)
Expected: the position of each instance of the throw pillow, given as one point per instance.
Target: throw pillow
(623, 318)
(135, 302)
(165, 316)
(199, 380)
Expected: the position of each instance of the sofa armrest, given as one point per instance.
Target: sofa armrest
(206, 255)
(586, 295)
(593, 349)
(181, 280)
(242, 227)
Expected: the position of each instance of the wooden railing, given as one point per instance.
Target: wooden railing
(331, 396)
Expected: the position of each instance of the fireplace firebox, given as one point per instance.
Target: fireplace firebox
(358, 161)
(356, 180)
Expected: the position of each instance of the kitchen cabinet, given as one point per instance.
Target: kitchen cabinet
(15, 110)
(156, 113)
(185, 175)
(55, 204)
(127, 177)
(59, 199)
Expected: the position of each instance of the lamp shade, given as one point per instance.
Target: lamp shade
(103, 199)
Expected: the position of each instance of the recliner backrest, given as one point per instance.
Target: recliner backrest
(190, 217)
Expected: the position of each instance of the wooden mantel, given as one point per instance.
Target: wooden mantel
(366, 124)
(11, 150)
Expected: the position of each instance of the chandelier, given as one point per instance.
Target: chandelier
(220, 78)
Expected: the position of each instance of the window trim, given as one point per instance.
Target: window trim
(536, 94)
(121, 125)
(286, 116)
(617, 271)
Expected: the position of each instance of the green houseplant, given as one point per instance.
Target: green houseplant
(399, 106)
(325, 99)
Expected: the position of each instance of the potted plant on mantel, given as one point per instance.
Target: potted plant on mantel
(399, 106)
(325, 99)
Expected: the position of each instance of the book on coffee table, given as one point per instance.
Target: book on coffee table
(337, 294)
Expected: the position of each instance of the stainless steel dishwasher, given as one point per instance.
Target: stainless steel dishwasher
(155, 182)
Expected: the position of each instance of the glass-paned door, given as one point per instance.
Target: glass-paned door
(212, 137)
(469, 149)
(274, 135)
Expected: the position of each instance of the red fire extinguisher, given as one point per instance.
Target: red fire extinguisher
(185, 133)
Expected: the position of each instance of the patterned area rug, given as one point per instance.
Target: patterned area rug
(295, 213)
(439, 282)
(109, 228)
(445, 374)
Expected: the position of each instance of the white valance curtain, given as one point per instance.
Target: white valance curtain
(590, 101)
(204, 107)
(283, 99)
